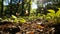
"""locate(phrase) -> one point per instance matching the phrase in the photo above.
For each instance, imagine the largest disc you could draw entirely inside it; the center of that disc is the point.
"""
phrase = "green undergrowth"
(51, 16)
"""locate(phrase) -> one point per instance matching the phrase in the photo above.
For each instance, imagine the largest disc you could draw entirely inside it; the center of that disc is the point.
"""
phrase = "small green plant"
(54, 16)
(22, 20)
(19, 20)
(13, 17)
(51, 14)
(58, 13)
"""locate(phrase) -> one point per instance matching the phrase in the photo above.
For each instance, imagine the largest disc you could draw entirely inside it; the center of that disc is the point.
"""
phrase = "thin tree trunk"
(17, 7)
(2, 8)
(22, 14)
(29, 7)
(10, 7)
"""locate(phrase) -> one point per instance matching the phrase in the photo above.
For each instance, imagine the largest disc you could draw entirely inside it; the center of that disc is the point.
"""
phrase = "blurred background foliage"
(30, 9)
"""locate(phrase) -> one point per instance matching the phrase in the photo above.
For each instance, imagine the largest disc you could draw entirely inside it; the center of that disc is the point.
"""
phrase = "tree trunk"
(1, 9)
(29, 7)
(10, 7)
(22, 13)
(17, 7)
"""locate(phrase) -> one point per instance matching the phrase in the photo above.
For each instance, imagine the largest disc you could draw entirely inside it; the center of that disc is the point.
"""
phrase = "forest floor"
(30, 27)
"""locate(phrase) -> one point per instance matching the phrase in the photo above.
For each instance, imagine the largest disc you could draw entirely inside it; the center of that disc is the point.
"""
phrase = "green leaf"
(52, 11)
(22, 20)
(13, 17)
(58, 12)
